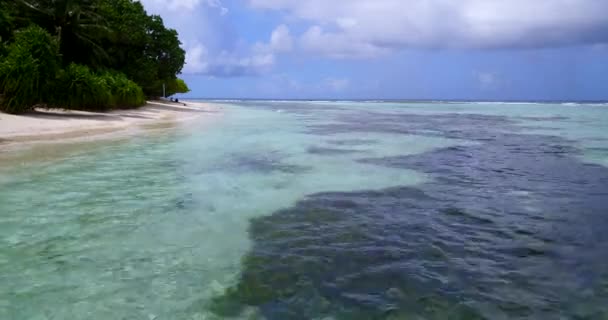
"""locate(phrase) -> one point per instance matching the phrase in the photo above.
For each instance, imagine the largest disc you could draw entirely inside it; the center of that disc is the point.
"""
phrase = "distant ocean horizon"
(403, 100)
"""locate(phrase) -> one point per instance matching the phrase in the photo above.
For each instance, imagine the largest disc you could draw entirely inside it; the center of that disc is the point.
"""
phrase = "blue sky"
(392, 49)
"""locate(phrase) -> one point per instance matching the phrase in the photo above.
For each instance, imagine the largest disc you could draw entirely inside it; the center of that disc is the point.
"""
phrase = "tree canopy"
(108, 37)
(141, 46)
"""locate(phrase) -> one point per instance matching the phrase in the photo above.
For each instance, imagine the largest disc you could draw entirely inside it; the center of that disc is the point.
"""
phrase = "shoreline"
(60, 126)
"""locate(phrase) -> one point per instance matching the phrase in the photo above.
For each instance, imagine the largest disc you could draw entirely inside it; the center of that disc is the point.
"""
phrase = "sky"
(392, 49)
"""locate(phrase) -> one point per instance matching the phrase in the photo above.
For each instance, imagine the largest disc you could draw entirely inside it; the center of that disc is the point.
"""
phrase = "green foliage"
(19, 81)
(76, 24)
(177, 86)
(42, 46)
(79, 88)
(28, 70)
(113, 53)
(141, 46)
(6, 22)
(165, 49)
(3, 50)
(125, 93)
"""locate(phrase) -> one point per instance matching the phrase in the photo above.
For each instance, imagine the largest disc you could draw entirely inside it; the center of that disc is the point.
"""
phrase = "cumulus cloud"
(280, 39)
(363, 28)
(196, 59)
(338, 45)
(258, 59)
(211, 47)
(225, 63)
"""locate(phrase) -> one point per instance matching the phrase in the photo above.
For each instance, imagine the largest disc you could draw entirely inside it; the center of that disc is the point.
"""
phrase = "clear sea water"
(316, 210)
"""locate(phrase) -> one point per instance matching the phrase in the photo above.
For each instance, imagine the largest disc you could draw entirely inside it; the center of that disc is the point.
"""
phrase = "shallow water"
(294, 210)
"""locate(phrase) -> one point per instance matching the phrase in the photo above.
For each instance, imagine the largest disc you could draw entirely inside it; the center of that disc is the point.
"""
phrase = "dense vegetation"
(84, 54)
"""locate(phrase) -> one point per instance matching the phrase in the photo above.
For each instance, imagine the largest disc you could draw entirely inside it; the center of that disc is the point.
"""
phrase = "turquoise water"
(163, 226)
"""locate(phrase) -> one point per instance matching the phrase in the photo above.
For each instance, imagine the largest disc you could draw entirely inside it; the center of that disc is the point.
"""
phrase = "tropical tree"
(165, 49)
(5, 22)
(141, 46)
(109, 54)
(177, 86)
(128, 38)
(77, 25)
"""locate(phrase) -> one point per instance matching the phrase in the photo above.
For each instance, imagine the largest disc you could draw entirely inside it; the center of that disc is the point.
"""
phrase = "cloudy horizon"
(392, 49)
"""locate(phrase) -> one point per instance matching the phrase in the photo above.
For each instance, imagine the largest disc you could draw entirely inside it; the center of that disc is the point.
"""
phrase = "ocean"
(317, 210)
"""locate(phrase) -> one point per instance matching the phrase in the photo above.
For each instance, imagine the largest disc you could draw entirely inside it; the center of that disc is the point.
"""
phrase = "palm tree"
(5, 21)
(76, 24)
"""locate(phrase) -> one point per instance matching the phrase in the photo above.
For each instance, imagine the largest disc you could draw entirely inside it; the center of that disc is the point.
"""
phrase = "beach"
(303, 160)
(58, 125)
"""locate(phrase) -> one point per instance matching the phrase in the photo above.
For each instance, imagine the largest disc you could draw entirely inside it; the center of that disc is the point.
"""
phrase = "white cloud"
(226, 64)
(217, 4)
(280, 39)
(338, 45)
(260, 58)
(210, 47)
(363, 28)
(196, 59)
(183, 5)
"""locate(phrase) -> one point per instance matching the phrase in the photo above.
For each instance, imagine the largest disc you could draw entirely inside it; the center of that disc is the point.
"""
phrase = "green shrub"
(19, 82)
(28, 70)
(30, 75)
(80, 89)
(177, 86)
(125, 93)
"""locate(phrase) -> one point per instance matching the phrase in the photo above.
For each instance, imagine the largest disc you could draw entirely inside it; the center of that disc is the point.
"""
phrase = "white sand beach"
(47, 125)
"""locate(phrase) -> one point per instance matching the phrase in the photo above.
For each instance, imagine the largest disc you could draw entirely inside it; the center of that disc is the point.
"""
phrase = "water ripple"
(511, 228)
